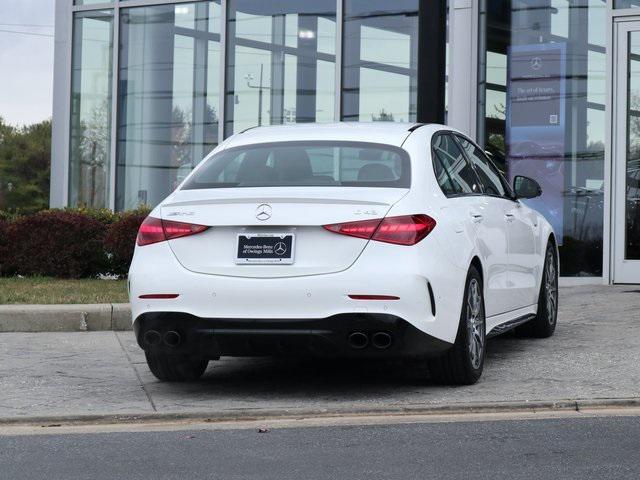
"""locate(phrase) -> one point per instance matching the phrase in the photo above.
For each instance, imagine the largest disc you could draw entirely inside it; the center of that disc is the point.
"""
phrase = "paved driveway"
(594, 354)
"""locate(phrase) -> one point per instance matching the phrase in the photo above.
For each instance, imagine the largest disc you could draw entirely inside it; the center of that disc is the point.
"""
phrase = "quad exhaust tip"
(172, 339)
(169, 339)
(358, 340)
(381, 340)
(152, 337)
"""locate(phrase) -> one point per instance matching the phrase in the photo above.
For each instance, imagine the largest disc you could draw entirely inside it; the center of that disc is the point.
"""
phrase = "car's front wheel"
(463, 363)
(174, 367)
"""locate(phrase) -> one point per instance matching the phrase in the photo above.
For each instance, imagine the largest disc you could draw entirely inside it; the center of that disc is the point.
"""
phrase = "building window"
(89, 164)
(280, 62)
(168, 97)
(91, 2)
(541, 113)
(626, 3)
(380, 58)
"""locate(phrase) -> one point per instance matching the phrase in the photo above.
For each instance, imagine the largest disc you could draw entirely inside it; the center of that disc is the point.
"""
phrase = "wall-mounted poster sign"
(535, 123)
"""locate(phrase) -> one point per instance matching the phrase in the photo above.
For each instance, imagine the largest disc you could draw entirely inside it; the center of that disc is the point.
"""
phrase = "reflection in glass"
(626, 3)
(280, 58)
(90, 2)
(632, 190)
(168, 97)
(541, 107)
(91, 109)
(380, 57)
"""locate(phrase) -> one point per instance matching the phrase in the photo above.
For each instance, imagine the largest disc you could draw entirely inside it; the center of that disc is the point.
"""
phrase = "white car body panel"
(297, 210)
(329, 267)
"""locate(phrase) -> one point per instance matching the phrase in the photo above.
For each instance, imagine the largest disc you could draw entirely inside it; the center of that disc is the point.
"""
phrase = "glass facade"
(168, 97)
(542, 79)
(188, 74)
(155, 86)
(380, 60)
(90, 126)
(626, 3)
(280, 62)
(632, 167)
(91, 2)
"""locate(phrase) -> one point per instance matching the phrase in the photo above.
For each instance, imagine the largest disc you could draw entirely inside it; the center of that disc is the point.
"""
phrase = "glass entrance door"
(626, 153)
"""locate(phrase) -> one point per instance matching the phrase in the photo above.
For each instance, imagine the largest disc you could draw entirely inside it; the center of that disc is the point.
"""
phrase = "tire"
(175, 368)
(544, 323)
(463, 363)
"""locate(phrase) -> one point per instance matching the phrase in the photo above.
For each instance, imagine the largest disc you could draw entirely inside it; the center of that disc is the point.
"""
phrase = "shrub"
(58, 244)
(6, 216)
(103, 215)
(120, 240)
(4, 266)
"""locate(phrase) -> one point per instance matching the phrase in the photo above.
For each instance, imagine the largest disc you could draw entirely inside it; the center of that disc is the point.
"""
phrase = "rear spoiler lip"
(416, 126)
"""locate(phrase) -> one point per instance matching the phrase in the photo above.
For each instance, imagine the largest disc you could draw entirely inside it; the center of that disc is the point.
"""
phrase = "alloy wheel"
(475, 323)
(551, 289)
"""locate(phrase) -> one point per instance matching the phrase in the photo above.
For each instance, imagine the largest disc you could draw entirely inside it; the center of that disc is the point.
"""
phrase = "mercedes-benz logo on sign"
(280, 248)
(263, 212)
(536, 63)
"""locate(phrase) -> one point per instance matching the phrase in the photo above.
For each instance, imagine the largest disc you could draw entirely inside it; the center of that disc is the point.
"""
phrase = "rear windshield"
(298, 164)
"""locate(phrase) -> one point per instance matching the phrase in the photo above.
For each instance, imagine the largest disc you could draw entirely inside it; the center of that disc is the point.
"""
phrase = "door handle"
(476, 217)
(510, 217)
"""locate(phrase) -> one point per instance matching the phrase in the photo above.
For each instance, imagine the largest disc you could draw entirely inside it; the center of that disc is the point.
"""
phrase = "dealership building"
(144, 89)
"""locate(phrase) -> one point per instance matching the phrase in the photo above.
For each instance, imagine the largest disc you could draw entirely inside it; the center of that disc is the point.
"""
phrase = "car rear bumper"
(342, 335)
(404, 275)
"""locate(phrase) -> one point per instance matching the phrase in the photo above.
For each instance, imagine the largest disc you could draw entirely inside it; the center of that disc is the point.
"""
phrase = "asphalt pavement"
(594, 355)
(569, 448)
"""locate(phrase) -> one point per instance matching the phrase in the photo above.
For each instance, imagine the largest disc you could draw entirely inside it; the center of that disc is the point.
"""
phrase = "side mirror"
(525, 187)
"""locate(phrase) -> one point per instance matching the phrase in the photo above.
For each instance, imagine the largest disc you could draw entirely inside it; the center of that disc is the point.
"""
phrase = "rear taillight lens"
(362, 229)
(406, 230)
(403, 230)
(154, 230)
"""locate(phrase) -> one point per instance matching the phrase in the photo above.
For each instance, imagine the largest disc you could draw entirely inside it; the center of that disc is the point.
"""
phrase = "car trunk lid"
(298, 211)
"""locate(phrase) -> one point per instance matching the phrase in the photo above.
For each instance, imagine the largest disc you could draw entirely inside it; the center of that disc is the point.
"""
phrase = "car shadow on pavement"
(296, 378)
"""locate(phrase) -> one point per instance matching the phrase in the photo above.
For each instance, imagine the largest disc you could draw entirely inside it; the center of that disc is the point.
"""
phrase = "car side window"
(453, 172)
(490, 177)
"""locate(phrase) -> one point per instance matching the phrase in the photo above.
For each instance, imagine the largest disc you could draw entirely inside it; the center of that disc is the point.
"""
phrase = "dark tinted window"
(492, 181)
(453, 172)
(349, 164)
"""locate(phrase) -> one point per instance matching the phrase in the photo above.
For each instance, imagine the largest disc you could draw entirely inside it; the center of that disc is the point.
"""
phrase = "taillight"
(154, 230)
(362, 229)
(406, 230)
(150, 232)
(403, 230)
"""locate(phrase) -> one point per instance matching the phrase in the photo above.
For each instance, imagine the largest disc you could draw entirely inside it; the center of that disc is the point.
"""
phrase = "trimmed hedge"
(57, 244)
(120, 241)
(4, 225)
(69, 243)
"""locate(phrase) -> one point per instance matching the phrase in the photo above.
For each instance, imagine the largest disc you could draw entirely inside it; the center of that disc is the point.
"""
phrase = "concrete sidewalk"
(593, 357)
(65, 318)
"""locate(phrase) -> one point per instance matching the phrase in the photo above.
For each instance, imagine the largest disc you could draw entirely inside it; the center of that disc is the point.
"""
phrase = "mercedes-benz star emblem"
(263, 212)
(280, 248)
(536, 63)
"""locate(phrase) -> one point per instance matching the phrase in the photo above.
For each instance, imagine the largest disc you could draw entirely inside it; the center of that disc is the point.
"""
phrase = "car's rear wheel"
(174, 367)
(544, 323)
(463, 363)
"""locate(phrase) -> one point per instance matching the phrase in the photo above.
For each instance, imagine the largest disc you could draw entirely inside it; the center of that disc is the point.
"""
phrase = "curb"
(65, 318)
(284, 414)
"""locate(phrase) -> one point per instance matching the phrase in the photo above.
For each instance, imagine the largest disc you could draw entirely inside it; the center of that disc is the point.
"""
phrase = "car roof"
(388, 133)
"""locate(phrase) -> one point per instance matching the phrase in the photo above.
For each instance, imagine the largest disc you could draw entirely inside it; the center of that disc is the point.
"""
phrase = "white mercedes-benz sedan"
(342, 240)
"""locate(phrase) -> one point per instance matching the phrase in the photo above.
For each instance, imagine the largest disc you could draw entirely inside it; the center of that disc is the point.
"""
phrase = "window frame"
(508, 191)
(452, 134)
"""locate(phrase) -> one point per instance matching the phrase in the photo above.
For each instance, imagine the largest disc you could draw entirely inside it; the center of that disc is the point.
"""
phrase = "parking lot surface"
(594, 355)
